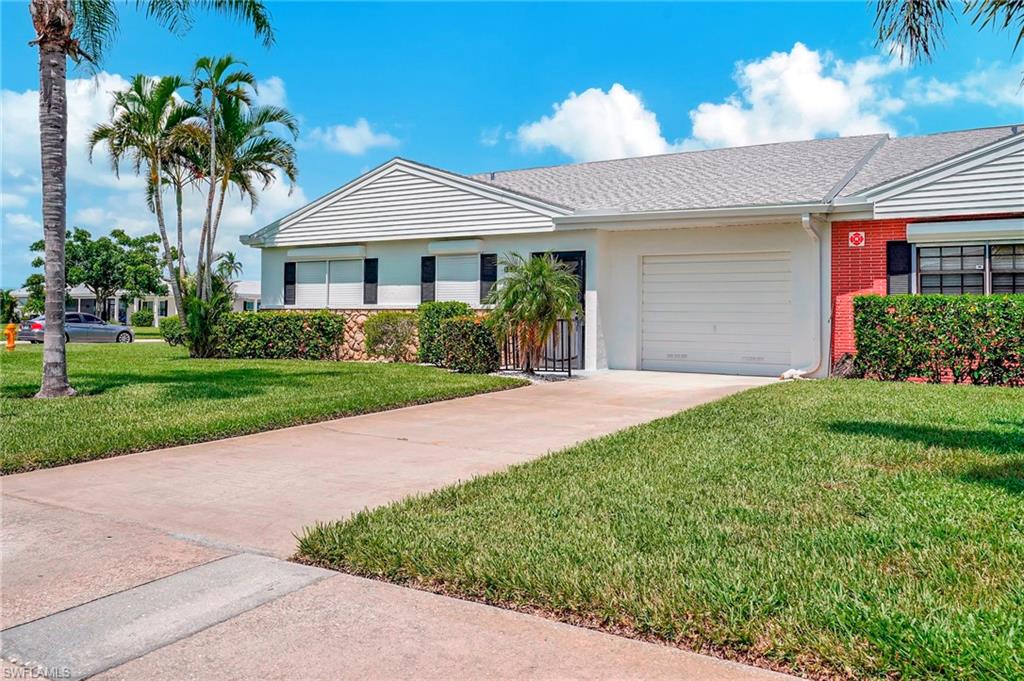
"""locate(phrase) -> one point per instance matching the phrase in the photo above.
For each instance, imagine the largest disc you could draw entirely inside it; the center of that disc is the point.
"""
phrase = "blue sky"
(475, 87)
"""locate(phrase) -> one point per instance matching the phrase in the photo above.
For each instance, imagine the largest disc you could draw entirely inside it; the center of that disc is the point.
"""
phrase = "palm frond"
(912, 28)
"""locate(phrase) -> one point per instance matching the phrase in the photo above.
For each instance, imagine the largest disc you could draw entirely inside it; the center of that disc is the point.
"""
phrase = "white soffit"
(966, 230)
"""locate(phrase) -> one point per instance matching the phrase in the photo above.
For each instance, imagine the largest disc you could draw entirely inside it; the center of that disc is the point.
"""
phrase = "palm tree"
(223, 80)
(82, 29)
(228, 266)
(250, 153)
(531, 297)
(147, 121)
(915, 27)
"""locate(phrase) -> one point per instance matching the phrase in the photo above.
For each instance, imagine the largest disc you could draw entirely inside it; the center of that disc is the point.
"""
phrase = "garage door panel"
(726, 312)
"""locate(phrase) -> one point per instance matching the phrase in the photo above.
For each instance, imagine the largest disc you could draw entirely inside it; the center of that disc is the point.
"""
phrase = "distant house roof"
(761, 175)
(243, 289)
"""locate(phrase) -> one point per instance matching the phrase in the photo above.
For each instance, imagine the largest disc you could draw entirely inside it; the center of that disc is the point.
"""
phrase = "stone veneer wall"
(354, 346)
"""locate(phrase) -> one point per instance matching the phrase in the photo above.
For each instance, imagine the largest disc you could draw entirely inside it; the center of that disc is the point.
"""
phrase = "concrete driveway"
(167, 564)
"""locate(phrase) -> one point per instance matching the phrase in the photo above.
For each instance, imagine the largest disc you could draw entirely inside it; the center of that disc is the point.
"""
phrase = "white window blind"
(311, 284)
(458, 278)
(345, 288)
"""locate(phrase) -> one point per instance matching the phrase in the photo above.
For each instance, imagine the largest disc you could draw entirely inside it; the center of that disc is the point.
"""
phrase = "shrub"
(964, 339)
(389, 334)
(282, 335)
(469, 345)
(430, 317)
(143, 317)
(172, 331)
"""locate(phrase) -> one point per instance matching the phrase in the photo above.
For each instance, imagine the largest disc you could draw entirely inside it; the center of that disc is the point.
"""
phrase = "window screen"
(289, 283)
(952, 269)
(488, 273)
(346, 283)
(370, 281)
(1007, 268)
(428, 277)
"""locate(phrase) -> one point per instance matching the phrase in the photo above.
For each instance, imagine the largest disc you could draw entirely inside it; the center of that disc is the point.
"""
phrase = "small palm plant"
(531, 297)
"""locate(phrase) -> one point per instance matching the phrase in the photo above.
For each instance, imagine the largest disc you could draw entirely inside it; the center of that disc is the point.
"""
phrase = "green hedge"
(430, 317)
(390, 334)
(965, 339)
(282, 335)
(143, 317)
(172, 331)
(469, 345)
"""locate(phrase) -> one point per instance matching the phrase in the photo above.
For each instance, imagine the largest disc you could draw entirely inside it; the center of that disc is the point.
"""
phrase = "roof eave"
(598, 219)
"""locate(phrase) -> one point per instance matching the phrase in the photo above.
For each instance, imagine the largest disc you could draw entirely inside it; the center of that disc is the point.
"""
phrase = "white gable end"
(404, 201)
(990, 183)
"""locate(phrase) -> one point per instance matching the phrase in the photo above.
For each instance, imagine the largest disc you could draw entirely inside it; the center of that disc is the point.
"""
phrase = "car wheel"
(124, 337)
(67, 338)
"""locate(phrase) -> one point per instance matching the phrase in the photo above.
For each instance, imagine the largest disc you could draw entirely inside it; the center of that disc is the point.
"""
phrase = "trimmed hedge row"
(172, 331)
(469, 345)
(964, 339)
(143, 317)
(282, 335)
(430, 317)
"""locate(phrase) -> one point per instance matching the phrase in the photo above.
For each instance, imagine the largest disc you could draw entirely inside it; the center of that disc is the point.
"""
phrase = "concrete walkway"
(136, 534)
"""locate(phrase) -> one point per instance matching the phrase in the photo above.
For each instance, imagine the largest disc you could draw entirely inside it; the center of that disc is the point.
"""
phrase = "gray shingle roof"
(766, 174)
(902, 156)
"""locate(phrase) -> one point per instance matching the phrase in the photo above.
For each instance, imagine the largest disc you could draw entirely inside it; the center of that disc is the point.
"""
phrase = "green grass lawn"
(137, 397)
(146, 332)
(832, 528)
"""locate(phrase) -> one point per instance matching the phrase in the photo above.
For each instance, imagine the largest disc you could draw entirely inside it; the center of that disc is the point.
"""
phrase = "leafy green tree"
(915, 27)
(111, 263)
(532, 295)
(36, 302)
(8, 308)
(82, 30)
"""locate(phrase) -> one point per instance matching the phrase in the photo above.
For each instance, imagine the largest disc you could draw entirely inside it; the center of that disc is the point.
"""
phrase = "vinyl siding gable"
(404, 202)
(990, 184)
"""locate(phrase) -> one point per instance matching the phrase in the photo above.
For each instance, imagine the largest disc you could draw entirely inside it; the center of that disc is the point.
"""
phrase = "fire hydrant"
(11, 332)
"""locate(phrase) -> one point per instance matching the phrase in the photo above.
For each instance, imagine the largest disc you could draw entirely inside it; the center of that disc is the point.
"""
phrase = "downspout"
(806, 221)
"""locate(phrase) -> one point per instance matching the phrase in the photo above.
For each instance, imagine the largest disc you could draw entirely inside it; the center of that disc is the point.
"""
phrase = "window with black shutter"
(289, 283)
(488, 273)
(428, 277)
(370, 281)
(897, 266)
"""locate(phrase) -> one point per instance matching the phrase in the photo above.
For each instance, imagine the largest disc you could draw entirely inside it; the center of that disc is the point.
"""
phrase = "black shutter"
(488, 273)
(370, 281)
(428, 275)
(289, 283)
(897, 266)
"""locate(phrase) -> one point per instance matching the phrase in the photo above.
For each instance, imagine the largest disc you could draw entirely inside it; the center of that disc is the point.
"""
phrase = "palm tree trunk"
(206, 273)
(216, 222)
(53, 130)
(158, 205)
(181, 235)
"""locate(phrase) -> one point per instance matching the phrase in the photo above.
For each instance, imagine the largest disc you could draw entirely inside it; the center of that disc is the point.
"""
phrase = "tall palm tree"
(222, 80)
(83, 29)
(250, 153)
(146, 123)
(915, 27)
(531, 297)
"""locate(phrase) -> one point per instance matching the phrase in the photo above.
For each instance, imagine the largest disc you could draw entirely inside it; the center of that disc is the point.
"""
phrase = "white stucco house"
(739, 260)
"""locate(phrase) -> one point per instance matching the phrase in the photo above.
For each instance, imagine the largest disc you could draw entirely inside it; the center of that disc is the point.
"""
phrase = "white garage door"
(717, 313)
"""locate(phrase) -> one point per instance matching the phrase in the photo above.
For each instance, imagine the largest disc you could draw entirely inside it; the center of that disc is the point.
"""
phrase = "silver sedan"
(79, 327)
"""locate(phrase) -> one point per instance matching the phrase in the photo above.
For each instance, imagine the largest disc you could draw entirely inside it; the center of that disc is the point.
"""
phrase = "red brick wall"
(860, 271)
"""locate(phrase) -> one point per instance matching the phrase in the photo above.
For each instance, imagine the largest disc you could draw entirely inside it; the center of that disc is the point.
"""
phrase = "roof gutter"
(807, 222)
(583, 219)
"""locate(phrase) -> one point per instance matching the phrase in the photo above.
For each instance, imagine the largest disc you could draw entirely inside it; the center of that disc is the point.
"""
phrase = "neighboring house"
(740, 260)
(81, 299)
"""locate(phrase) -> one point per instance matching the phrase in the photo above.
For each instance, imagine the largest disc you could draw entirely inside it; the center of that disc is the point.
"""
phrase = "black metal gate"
(562, 352)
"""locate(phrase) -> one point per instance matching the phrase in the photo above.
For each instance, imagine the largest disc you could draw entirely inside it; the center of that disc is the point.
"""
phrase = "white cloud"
(800, 94)
(490, 137)
(597, 125)
(22, 225)
(12, 200)
(996, 85)
(354, 140)
(89, 101)
(270, 92)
